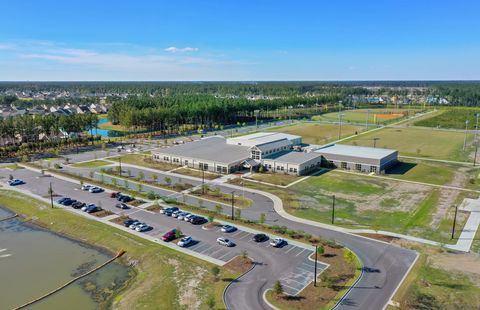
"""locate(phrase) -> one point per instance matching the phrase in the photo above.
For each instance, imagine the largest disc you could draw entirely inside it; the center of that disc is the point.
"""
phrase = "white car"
(142, 227)
(188, 217)
(182, 216)
(228, 228)
(277, 242)
(185, 241)
(224, 241)
(86, 187)
(176, 213)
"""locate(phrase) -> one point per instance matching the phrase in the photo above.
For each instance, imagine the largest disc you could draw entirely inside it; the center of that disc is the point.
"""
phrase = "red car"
(169, 236)
(114, 195)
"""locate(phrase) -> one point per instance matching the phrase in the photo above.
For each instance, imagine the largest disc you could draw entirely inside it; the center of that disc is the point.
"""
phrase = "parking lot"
(290, 263)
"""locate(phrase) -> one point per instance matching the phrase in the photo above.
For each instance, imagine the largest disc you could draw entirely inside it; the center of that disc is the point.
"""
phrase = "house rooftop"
(209, 149)
(357, 151)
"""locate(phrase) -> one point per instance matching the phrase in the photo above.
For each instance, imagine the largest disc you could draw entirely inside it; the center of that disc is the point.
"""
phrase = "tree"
(211, 302)
(349, 256)
(139, 187)
(178, 233)
(211, 218)
(215, 272)
(238, 213)
(141, 175)
(218, 208)
(114, 181)
(320, 249)
(10, 177)
(168, 181)
(261, 220)
(278, 288)
(155, 177)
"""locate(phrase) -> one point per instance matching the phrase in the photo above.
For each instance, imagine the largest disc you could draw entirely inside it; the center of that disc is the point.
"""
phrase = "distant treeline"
(170, 113)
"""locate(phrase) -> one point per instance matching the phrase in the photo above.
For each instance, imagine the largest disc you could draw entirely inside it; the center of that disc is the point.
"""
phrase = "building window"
(278, 167)
(373, 169)
(295, 170)
(165, 158)
(186, 163)
(358, 167)
(343, 165)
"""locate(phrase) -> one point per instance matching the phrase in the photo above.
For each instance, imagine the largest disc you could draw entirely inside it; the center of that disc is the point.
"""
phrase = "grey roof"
(293, 157)
(357, 151)
(210, 149)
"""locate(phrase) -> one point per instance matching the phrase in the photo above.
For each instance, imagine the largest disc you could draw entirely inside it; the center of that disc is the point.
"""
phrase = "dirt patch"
(239, 264)
(211, 225)
(467, 263)
(447, 198)
(119, 220)
(102, 213)
(384, 238)
(154, 208)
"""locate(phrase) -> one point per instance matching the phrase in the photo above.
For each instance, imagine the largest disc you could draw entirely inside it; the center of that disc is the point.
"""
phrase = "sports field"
(419, 142)
(375, 116)
(319, 133)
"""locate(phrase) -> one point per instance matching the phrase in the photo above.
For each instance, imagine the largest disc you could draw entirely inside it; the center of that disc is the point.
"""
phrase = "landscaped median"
(164, 278)
(332, 285)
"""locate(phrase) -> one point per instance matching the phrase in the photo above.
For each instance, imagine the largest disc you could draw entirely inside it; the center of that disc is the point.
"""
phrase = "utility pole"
(333, 209)
(465, 139)
(340, 116)
(315, 277)
(50, 191)
(120, 165)
(366, 121)
(203, 180)
(454, 221)
(476, 127)
(375, 142)
(233, 204)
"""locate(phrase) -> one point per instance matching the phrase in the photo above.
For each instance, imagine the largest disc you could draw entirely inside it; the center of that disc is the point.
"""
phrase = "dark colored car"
(122, 206)
(129, 222)
(260, 237)
(69, 202)
(124, 198)
(196, 220)
(93, 209)
(114, 195)
(169, 235)
(78, 205)
(169, 211)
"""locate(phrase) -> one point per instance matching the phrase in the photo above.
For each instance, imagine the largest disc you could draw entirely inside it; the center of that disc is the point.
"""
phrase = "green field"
(360, 116)
(424, 171)
(368, 202)
(319, 133)
(418, 142)
(166, 279)
(92, 164)
(451, 118)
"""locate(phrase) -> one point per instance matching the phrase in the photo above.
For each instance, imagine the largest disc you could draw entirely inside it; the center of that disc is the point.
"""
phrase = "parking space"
(290, 263)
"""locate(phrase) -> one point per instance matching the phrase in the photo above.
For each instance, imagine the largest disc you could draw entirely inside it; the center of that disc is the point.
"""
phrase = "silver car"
(225, 242)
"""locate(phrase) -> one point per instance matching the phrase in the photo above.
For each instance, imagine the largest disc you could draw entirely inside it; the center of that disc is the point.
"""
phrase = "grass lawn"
(451, 118)
(274, 178)
(196, 173)
(92, 164)
(419, 142)
(12, 167)
(318, 133)
(367, 202)
(360, 116)
(430, 287)
(165, 279)
(240, 202)
(145, 161)
(423, 171)
(109, 126)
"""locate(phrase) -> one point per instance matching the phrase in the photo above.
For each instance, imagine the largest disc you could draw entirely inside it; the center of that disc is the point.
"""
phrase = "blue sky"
(240, 40)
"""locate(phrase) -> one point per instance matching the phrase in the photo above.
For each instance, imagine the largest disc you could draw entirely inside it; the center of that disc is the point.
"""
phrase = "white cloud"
(173, 49)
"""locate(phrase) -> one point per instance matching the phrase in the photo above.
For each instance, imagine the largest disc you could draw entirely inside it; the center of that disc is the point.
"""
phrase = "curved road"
(385, 265)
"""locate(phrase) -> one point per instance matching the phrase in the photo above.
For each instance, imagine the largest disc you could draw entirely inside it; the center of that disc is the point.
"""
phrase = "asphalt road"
(384, 265)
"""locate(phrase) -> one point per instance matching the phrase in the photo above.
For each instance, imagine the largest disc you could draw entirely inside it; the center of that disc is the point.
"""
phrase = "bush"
(277, 288)
(215, 272)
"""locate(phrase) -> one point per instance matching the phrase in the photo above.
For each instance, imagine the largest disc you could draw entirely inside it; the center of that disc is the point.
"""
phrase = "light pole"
(203, 180)
(366, 121)
(256, 118)
(476, 127)
(375, 142)
(120, 166)
(50, 191)
(465, 139)
(340, 116)
(333, 209)
(233, 204)
(454, 221)
(315, 277)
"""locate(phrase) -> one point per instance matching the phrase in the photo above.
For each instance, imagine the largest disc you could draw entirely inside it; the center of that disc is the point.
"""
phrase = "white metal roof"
(260, 138)
(357, 151)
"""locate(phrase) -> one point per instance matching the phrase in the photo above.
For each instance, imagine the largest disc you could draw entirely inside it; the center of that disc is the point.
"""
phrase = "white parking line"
(220, 258)
(293, 247)
(301, 252)
(203, 251)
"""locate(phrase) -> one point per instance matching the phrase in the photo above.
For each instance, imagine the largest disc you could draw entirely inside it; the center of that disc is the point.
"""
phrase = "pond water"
(105, 132)
(34, 261)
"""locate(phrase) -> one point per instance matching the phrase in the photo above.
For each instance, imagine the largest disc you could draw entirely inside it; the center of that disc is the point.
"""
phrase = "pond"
(105, 132)
(34, 261)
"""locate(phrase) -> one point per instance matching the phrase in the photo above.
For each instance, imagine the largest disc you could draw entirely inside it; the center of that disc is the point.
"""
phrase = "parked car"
(169, 235)
(95, 190)
(176, 213)
(15, 182)
(134, 224)
(196, 220)
(228, 228)
(169, 211)
(277, 242)
(93, 209)
(61, 200)
(86, 187)
(122, 206)
(114, 194)
(189, 217)
(87, 206)
(129, 222)
(142, 227)
(185, 241)
(224, 241)
(68, 202)
(124, 198)
(260, 237)
(78, 205)
(182, 216)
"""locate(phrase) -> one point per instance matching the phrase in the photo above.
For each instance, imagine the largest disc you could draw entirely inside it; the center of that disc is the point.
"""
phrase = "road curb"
(234, 280)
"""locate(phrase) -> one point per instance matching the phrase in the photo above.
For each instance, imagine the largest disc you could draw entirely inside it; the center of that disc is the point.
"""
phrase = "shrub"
(277, 288)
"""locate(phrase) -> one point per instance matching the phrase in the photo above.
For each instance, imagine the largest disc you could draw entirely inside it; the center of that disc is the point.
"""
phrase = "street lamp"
(50, 191)
(333, 209)
(465, 139)
(454, 221)
(120, 166)
(203, 179)
(340, 116)
(375, 142)
(233, 204)
(315, 276)
(366, 121)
